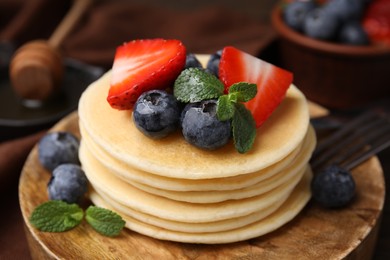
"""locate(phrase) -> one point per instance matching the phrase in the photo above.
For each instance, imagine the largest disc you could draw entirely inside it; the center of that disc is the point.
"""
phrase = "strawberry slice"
(272, 82)
(143, 65)
(376, 21)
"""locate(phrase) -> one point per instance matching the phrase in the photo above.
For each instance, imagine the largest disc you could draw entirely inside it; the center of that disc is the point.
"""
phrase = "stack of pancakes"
(171, 190)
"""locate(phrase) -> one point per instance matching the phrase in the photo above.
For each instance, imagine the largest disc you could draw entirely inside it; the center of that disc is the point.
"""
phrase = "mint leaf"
(56, 216)
(195, 84)
(243, 124)
(225, 108)
(244, 128)
(238, 92)
(242, 92)
(104, 221)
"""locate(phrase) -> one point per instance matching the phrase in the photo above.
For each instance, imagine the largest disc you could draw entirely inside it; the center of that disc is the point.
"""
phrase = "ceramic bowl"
(334, 75)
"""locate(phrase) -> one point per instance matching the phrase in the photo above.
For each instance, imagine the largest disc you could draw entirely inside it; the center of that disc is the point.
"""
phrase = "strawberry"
(143, 65)
(272, 82)
(376, 21)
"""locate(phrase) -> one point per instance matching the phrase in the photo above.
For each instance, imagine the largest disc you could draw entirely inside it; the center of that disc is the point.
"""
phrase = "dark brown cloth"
(13, 153)
(202, 31)
(108, 24)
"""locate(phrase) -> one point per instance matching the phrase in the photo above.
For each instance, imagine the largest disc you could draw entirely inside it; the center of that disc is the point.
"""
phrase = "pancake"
(285, 213)
(169, 189)
(115, 132)
(212, 196)
(139, 200)
(131, 174)
(219, 196)
(215, 226)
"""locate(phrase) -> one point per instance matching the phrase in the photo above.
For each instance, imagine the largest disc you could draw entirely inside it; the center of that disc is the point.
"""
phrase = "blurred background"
(204, 26)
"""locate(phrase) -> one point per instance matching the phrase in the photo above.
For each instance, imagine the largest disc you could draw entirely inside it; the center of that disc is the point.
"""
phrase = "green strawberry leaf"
(195, 84)
(242, 91)
(225, 108)
(244, 128)
(104, 221)
(56, 216)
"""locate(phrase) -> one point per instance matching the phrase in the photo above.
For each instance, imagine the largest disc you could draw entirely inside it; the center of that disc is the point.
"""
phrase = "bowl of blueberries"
(338, 50)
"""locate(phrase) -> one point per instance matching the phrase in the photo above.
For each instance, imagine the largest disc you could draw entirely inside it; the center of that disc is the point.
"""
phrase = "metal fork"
(355, 142)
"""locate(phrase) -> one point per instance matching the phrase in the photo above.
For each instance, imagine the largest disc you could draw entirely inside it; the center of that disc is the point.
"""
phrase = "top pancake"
(172, 156)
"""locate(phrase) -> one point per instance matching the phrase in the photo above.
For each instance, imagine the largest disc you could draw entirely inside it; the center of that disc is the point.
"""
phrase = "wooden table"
(315, 233)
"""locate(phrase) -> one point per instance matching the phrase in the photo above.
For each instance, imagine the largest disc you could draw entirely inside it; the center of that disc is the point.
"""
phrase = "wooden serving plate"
(316, 233)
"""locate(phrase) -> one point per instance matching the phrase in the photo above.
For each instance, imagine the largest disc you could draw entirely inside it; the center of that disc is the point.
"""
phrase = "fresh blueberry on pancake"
(156, 113)
(192, 61)
(213, 63)
(202, 128)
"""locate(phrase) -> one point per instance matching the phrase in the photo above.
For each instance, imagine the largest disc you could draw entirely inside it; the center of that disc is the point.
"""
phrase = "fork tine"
(344, 130)
(346, 140)
(346, 145)
(367, 154)
(369, 138)
(341, 140)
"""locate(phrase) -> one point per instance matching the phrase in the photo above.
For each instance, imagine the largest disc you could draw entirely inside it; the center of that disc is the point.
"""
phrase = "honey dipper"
(36, 69)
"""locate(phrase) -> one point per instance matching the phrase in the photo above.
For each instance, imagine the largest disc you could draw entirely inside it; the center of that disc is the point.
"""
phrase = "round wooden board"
(316, 233)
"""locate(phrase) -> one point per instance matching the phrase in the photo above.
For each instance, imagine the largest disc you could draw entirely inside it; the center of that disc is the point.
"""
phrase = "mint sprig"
(230, 107)
(59, 216)
(195, 84)
(56, 216)
(244, 128)
(238, 92)
(225, 108)
(242, 92)
(104, 221)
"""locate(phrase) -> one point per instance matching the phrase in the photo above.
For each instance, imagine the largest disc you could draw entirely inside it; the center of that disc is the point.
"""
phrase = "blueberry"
(192, 62)
(68, 183)
(333, 187)
(294, 14)
(345, 10)
(56, 148)
(156, 113)
(186, 108)
(353, 33)
(201, 127)
(213, 63)
(321, 24)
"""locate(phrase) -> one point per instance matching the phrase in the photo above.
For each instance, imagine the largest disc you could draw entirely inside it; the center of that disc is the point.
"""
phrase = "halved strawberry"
(143, 65)
(376, 21)
(272, 81)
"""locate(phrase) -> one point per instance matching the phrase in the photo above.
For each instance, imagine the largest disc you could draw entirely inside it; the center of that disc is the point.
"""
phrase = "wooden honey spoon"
(36, 69)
